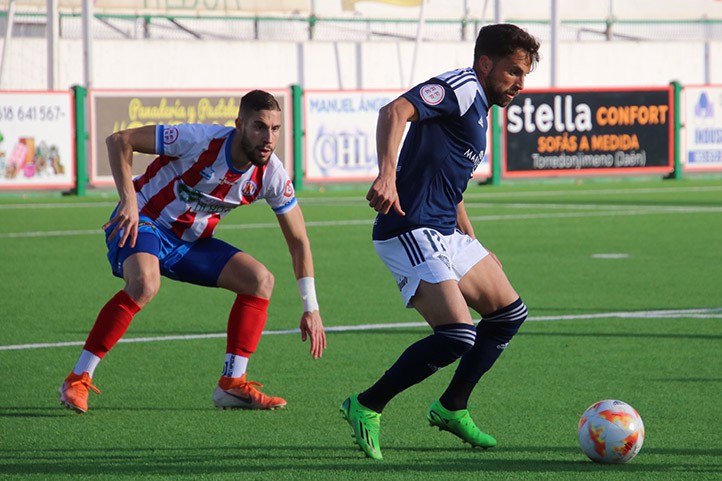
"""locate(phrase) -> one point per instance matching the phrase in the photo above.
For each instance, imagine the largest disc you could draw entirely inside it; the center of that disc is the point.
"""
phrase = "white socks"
(86, 363)
(235, 365)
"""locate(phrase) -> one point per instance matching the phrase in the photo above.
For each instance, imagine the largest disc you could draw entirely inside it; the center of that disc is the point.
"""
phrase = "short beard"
(499, 98)
(252, 154)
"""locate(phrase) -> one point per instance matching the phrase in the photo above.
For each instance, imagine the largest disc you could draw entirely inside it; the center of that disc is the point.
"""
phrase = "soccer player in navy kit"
(425, 238)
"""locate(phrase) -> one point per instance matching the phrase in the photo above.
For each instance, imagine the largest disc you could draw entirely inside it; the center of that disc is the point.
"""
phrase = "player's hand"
(126, 223)
(312, 328)
(382, 196)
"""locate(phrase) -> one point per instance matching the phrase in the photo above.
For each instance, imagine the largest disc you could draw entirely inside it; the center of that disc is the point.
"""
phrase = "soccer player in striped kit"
(423, 234)
(164, 224)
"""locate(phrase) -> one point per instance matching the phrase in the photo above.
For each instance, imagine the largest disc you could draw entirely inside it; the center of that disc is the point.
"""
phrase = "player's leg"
(142, 281)
(488, 291)
(212, 262)
(139, 267)
(417, 262)
(444, 308)
(253, 285)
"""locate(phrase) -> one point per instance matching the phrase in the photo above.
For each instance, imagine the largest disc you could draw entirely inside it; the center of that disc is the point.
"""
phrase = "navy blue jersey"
(441, 151)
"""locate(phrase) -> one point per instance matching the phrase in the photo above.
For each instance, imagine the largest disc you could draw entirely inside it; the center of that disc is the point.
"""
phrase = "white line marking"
(59, 205)
(610, 255)
(545, 205)
(603, 212)
(711, 313)
(571, 193)
(361, 201)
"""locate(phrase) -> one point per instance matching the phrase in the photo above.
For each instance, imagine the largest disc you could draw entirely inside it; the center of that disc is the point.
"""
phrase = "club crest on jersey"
(170, 134)
(288, 189)
(432, 94)
(249, 188)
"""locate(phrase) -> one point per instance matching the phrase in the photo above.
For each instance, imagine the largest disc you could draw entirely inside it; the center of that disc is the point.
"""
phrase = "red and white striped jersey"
(192, 184)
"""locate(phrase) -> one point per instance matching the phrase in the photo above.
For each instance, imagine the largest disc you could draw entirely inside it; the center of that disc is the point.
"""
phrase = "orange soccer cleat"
(237, 393)
(74, 392)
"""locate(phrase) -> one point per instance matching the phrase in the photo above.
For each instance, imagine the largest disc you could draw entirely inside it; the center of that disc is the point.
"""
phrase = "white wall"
(349, 65)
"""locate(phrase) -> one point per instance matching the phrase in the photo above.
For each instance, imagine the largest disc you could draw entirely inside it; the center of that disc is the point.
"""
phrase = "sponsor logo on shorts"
(402, 283)
(432, 94)
(501, 347)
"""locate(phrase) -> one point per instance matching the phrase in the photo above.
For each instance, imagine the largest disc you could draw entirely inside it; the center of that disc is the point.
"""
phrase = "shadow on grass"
(331, 461)
(60, 411)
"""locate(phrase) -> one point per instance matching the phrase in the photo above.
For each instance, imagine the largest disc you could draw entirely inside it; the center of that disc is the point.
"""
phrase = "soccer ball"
(611, 431)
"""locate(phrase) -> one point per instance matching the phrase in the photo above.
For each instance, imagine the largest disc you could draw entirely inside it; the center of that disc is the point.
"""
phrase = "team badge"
(170, 135)
(432, 94)
(288, 190)
(249, 188)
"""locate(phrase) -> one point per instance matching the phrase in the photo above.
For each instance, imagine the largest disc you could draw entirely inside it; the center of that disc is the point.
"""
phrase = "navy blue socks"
(493, 334)
(419, 361)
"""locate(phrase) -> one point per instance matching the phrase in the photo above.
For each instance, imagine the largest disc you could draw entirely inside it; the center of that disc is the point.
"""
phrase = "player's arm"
(294, 231)
(463, 222)
(382, 195)
(121, 146)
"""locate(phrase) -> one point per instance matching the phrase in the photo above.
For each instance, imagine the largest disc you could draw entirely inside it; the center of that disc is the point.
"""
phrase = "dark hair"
(256, 100)
(503, 39)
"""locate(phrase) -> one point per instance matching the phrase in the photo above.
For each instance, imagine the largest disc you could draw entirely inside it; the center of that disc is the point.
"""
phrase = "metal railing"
(301, 28)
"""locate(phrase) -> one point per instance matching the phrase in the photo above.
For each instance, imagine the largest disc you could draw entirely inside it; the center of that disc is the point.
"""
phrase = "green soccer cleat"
(365, 425)
(460, 424)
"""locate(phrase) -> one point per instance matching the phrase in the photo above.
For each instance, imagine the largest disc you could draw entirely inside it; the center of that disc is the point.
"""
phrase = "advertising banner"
(589, 132)
(36, 140)
(114, 110)
(340, 135)
(703, 126)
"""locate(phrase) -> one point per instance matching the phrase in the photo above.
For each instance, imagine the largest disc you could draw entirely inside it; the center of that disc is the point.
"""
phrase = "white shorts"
(424, 254)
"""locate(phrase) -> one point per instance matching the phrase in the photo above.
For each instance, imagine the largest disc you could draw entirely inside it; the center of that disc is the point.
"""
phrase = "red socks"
(112, 322)
(245, 324)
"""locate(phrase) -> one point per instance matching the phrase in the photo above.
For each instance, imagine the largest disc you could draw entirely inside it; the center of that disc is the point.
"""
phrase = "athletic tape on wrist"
(307, 289)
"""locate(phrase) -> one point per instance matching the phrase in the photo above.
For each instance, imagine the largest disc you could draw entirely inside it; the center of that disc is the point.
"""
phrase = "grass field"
(623, 281)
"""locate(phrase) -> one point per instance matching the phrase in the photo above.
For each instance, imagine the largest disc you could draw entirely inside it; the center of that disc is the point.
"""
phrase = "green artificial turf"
(643, 325)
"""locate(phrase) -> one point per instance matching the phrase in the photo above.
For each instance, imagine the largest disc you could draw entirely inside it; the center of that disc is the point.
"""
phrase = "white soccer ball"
(611, 431)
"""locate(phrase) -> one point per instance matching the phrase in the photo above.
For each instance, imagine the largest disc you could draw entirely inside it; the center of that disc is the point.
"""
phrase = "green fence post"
(676, 132)
(496, 145)
(80, 95)
(297, 97)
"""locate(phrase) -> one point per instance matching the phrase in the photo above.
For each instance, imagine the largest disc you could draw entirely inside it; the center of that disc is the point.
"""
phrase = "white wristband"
(307, 289)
